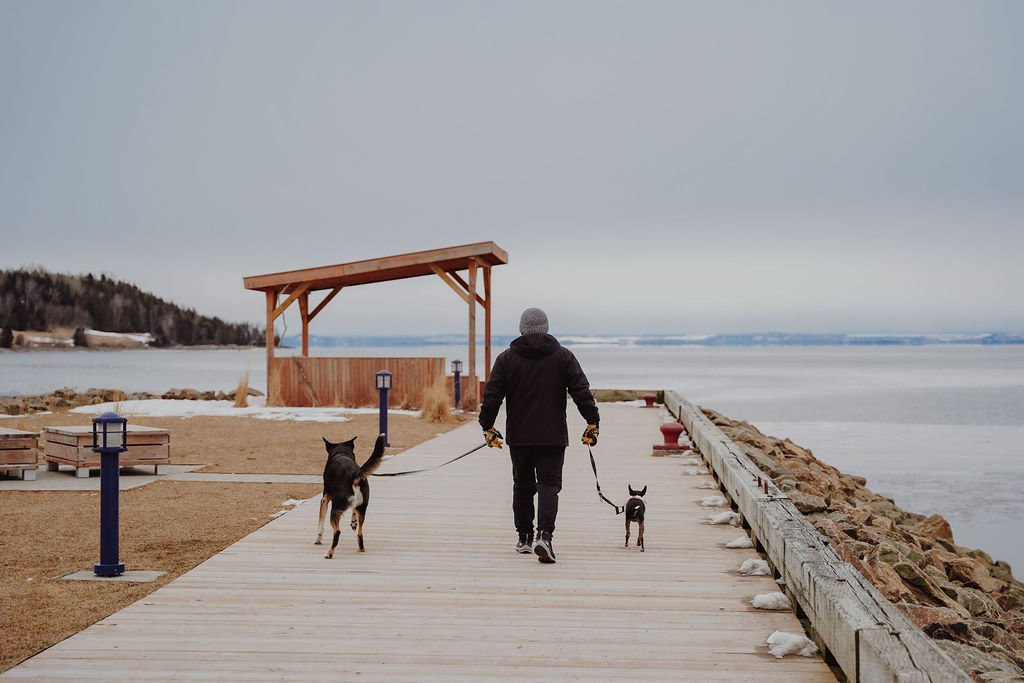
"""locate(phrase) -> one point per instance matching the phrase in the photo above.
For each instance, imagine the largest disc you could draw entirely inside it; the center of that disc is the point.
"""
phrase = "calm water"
(939, 429)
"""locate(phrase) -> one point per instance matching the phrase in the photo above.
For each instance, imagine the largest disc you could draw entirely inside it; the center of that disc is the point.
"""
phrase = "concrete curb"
(868, 637)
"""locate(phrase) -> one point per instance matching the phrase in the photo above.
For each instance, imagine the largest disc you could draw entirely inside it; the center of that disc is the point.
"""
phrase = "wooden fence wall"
(351, 382)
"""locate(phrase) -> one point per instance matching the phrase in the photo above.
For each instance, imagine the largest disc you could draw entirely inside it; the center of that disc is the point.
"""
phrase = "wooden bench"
(73, 446)
(19, 452)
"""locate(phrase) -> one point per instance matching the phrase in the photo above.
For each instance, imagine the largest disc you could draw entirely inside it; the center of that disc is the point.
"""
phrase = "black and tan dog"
(346, 486)
(635, 509)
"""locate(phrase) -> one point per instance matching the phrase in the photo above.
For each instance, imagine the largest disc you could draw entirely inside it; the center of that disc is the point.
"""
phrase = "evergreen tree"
(36, 299)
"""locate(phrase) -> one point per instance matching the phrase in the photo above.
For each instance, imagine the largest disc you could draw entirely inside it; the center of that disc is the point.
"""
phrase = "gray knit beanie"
(533, 321)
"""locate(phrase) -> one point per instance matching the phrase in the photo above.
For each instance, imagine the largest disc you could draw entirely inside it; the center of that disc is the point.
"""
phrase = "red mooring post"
(649, 398)
(670, 432)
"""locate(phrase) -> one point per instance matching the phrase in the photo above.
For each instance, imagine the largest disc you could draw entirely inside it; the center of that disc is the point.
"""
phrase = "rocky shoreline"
(63, 399)
(971, 605)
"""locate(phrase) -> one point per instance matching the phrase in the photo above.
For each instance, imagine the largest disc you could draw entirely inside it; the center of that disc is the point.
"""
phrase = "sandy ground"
(167, 526)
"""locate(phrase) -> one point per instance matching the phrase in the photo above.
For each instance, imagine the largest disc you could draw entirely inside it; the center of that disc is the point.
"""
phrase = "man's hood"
(535, 345)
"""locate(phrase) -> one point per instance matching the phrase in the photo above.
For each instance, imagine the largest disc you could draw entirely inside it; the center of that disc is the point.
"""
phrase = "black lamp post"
(109, 439)
(457, 372)
(383, 385)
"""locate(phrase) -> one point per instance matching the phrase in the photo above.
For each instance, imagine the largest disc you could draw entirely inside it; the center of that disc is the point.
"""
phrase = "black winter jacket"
(533, 375)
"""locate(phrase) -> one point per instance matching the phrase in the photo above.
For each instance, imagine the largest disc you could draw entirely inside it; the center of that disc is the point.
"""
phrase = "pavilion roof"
(384, 269)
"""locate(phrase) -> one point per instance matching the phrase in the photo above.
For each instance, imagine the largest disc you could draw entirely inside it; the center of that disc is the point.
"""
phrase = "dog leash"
(427, 469)
(593, 463)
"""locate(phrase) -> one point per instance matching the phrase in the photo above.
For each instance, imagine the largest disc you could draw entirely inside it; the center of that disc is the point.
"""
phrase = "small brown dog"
(635, 509)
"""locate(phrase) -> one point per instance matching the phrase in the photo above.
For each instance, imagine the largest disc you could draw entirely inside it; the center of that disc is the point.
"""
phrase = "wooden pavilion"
(305, 381)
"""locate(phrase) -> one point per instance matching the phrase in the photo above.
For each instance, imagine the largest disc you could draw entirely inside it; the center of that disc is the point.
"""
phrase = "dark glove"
(493, 438)
(590, 435)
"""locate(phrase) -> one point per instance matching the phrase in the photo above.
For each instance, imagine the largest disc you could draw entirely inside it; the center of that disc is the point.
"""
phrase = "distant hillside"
(758, 339)
(39, 300)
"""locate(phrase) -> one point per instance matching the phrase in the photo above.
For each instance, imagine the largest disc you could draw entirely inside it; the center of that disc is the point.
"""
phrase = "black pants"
(536, 470)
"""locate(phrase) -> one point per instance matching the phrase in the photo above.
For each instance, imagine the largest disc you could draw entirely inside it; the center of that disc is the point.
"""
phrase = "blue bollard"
(109, 439)
(383, 385)
(457, 372)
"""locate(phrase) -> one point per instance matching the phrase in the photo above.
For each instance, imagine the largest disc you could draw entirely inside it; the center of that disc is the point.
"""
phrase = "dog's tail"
(375, 459)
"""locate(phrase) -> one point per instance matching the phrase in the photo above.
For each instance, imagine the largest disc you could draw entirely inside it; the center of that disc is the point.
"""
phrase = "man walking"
(533, 375)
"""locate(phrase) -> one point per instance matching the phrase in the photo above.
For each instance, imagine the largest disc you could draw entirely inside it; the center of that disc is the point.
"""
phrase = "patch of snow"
(291, 502)
(712, 502)
(53, 341)
(691, 462)
(707, 485)
(725, 518)
(741, 542)
(693, 472)
(140, 337)
(257, 409)
(771, 601)
(781, 644)
(755, 568)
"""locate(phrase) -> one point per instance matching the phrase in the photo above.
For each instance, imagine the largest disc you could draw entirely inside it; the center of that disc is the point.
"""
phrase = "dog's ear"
(328, 445)
(641, 494)
(351, 443)
(631, 491)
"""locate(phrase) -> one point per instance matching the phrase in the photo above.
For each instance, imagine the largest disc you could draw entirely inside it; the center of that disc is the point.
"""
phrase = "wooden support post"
(296, 293)
(327, 300)
(271, 305)
(455, 276)
(304, 314)
(448, 281)
(474, 389)
(487, 322)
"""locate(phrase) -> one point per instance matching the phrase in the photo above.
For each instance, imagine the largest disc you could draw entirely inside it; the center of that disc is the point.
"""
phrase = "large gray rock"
(981, 665)
(807, 503)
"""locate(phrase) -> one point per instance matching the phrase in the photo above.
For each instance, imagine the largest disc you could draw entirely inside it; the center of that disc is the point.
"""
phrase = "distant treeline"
(39, 300)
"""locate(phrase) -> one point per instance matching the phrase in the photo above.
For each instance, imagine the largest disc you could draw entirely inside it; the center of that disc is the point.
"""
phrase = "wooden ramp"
(440, 595)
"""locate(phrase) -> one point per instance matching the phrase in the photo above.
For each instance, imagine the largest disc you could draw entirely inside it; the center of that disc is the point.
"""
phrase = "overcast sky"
(651, 167)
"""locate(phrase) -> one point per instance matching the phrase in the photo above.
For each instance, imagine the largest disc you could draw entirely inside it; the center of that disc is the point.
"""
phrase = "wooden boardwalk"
(440, 595)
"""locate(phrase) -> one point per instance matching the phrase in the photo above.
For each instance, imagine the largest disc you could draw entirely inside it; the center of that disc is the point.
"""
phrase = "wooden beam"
(271, 304)
(457, 278)
(487, 322)
(448, 281)
(304, 315)
(327, 300)
(474, 389)
(296, 293)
